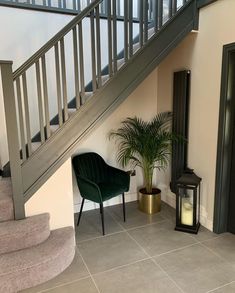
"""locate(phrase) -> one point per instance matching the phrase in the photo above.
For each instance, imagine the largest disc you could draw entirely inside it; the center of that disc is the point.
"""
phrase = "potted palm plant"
(148, 146)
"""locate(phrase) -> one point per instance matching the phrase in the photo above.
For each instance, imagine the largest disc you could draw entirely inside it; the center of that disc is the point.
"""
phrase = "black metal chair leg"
(102, 217)
(124, 207)
(80, 213)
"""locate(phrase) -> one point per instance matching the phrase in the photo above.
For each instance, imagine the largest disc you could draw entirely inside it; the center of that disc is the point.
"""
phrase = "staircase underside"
(59, 148)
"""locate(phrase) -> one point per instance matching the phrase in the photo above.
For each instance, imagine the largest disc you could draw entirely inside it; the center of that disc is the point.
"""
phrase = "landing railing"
(76, 6)
(58, 6)
(43, 87)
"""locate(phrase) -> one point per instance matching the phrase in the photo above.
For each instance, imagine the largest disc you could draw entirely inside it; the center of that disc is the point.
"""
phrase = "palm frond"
(145, 144)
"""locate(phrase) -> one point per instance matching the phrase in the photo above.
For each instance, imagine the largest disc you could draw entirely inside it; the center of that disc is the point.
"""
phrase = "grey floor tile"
(204, 234)
(226, 289)
(223, 246)
(141, 277)
(75, 271)
(134, 217)
(90, 225)
(160, 238)
(168, 212)
(81, 286)
(110, 251)
(195, 269)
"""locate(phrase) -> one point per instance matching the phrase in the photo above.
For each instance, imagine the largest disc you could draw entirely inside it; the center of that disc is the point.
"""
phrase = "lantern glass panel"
(198, 204)
(186, 206)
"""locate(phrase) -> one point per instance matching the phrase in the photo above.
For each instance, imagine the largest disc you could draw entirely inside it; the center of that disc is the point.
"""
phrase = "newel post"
(13, 138)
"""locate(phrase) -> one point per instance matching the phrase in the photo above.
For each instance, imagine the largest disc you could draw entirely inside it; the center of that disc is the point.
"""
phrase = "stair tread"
(71, 111)
(16, 235)
(88, 94)
(104, 78)
(5, 189)
(151, 32)
(6, 202)
(32, 266)
(35, 146)
(87, 97)
(120, 63)
(54, 127)
(136, 47)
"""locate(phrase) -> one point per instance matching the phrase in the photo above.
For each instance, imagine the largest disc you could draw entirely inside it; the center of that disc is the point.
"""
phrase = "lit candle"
(186, 212)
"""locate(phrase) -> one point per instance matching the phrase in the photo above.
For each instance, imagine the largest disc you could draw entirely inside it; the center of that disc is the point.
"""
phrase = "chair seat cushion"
(110, 189)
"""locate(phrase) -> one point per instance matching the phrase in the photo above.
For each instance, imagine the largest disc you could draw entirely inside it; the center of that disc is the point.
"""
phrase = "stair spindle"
(76, 73)
(118, 7)
(170, 8)
(45, 95)
(98, 47)
(78, 5)
(40, 102)
(141, 21)
(58, 84)
(130, 10)
(174, 7)
(160, 13)
(145, 21)
(21, 119)
(114, 5)
(64, 80)
(27, 117)
(126, 30)
(93, 49)
(81, 61)
(110, 53)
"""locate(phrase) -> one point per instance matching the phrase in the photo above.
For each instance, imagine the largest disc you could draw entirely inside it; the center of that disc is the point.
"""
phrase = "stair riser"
(6, 202)
(24, 240)
(36, 274)
(6, 212)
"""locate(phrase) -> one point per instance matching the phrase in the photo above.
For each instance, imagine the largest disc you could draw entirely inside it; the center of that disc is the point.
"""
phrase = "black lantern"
(188, 202)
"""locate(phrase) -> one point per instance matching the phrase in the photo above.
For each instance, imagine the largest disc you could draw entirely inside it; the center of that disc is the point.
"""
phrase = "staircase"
(57, 75)
(30, 253)
(32, 163)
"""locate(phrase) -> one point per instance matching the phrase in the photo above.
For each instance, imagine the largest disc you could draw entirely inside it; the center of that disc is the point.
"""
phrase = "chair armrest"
(119, 176)
(88, 189)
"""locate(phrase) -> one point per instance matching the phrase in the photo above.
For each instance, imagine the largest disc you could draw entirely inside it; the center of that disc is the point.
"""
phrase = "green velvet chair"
(99, 182)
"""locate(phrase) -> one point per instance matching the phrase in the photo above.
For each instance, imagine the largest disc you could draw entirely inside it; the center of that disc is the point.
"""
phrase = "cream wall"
(202, 53)
(55, 197)
(142, 103)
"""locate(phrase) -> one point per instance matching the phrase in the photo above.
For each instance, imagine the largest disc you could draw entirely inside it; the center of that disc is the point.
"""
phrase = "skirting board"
(89, 205)
(167, 196)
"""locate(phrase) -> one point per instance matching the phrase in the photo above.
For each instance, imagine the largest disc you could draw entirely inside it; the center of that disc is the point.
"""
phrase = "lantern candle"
(186, 212)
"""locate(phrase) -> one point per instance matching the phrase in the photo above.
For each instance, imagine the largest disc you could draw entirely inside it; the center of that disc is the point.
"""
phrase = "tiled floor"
(146, 255)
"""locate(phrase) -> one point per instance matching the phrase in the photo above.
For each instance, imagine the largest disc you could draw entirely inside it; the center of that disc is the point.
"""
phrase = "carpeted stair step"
(6, 202)
(32, 266)
(16, 235)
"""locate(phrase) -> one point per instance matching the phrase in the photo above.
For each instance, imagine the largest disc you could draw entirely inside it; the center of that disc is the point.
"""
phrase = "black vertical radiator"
(180, 124)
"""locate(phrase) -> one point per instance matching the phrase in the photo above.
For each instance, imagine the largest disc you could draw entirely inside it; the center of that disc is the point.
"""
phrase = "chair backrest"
(91, 166)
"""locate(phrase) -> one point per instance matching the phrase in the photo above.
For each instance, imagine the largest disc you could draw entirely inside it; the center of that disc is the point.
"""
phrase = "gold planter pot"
(150, 203)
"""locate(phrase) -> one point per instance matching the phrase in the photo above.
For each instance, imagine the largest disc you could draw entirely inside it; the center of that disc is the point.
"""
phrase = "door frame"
(224, 147)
